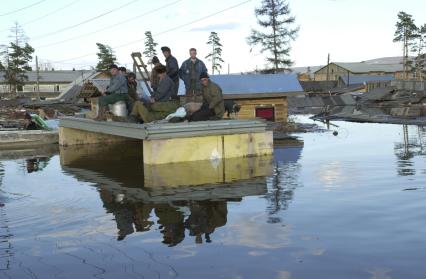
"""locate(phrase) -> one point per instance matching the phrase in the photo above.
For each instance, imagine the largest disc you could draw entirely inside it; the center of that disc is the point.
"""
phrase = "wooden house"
(260, 95)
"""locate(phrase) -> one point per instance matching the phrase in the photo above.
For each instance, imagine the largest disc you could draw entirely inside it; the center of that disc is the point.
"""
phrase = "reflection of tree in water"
(203, 219)
(281, 190)
(5, 235)
(413, 144)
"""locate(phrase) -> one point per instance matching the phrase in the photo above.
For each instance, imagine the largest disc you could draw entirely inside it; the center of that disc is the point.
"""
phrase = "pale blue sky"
(351, 30)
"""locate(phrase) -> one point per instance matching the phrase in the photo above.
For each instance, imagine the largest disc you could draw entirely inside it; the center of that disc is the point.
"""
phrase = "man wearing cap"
(190, 72)
(161, 102)
(213, 105)
(172, 69)
(154, 79)
(117, 91)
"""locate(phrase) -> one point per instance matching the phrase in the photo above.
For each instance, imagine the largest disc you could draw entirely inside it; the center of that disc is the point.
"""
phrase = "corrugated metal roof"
(360, 79)
(259, 83)
(365, 67)
(237, 84)
(51, 76)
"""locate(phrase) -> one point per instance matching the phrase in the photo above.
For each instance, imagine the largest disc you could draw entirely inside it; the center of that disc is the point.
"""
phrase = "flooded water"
(345, 206)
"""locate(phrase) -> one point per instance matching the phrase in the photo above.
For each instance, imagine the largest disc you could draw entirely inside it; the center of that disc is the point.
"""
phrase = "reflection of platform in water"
(28, 152)
(118, 169)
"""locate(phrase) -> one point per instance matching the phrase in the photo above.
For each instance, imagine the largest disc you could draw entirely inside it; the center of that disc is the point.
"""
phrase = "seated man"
(117, 91)
(160, 104)
(132, 85)
(29, 123)
(213, 106)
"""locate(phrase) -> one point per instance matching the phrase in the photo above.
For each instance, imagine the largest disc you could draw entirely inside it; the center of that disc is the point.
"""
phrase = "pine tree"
(419, 48)
(274, 17)
(215, 56)
(16, 58)
(406, 32)
(150, 46)
(106, 57)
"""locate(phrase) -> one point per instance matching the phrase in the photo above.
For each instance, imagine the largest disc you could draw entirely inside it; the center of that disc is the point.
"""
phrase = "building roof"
(258, 83)
(362, 67)
(361, 79)
(239, 86)
(51, 76)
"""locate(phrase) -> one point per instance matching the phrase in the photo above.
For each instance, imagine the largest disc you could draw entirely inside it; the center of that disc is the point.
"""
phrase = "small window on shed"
(19, 88)
(267, 113)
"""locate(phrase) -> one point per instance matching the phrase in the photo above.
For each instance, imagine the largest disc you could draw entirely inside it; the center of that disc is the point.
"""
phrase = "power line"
(109, 26)
(163, 32)
(50, 13)
(45, 15)
(84, 22)
(21, 9)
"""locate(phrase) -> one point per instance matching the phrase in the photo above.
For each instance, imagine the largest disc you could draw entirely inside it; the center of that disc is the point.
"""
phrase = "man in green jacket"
(213, 105)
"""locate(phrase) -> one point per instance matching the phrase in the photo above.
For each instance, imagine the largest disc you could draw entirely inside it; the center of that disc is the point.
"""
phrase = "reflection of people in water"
(130, 217)
(205, 217)
(171, 224)
(36, 164)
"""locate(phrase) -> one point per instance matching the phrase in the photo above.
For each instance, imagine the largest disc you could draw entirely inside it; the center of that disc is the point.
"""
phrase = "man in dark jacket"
(213, 105)
(172, 69)
(161, 102)
(190, 72)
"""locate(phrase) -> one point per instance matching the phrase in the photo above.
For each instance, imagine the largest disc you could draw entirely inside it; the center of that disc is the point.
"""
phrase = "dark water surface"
(345, 206)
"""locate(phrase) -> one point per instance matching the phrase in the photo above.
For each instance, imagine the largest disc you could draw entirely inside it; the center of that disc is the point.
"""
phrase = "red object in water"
(265, 113)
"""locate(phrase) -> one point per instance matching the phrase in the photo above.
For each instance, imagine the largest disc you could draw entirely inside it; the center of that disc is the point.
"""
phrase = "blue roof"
(250, 83)
(360, 79)
(257, 83)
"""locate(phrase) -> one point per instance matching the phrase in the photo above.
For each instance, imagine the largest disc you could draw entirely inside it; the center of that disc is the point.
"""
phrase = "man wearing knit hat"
(213, 106)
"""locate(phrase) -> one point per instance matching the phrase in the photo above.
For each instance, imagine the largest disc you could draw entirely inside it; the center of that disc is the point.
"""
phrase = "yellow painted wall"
(248, 108)
(207, 148)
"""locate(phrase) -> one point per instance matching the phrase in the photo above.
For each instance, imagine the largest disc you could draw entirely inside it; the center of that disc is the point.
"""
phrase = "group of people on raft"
(164, 82)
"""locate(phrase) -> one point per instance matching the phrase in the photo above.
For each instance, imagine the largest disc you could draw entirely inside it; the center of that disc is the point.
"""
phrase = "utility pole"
(38, 80)
(229, 67)
(328, 67)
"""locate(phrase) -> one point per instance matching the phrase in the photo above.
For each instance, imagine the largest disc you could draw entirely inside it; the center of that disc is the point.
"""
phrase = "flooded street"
(325, 206)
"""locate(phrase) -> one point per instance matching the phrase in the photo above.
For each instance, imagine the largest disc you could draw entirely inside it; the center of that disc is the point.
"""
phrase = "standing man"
(190, 72)
(154, 79)
(172, 69)
(213, 106)
(117, 91)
